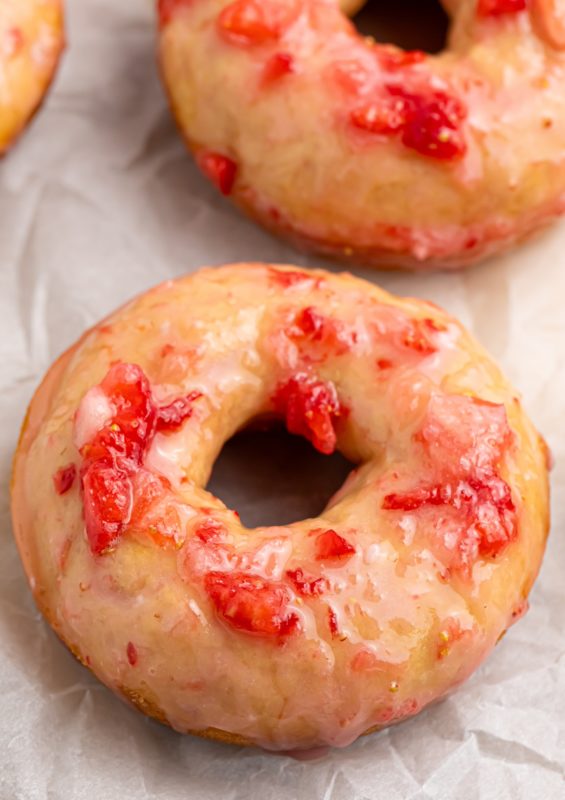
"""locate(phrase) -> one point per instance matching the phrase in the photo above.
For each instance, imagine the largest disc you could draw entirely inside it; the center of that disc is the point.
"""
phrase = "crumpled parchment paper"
(100, 201)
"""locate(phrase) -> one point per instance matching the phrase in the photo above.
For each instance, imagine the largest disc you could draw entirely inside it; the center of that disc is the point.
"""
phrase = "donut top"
(302, 634)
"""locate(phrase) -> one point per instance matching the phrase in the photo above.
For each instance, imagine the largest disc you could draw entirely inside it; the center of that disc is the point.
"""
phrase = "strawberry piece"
(250, 603)
(289, 277)
(220, 169)
(496, 8)
(210, 531)
(332, 622)
(418, 333)
(433, 122)
(64, 478)
(324, 335)
(311, 408)
(249, 23)
(108, 497)
(330, 546)
(172, 416)
(168, 9)
(131, 652)
(385, 116)
(306, 585)
(464, 439)
(394, 58)
(428, 123)
(278, 65)
(13, 42)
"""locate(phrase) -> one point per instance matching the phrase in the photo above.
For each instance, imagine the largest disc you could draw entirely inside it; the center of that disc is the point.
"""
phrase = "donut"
(366, 152)
(31, 42)
(296, 636)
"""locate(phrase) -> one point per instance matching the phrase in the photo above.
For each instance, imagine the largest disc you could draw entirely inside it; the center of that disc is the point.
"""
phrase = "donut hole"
(410, 24)
(272, 478)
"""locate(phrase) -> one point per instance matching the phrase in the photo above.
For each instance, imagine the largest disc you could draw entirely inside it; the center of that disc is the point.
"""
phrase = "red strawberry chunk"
(64, 478)
(496, 8)
(117, 491)
(306, 585)
(250, 603)
(463, 439)
(394, 58)
(332, 622)
(168, 9)
(131, 652)
(220, 169)
(108, 497)
(311, 409)
(429, 123)
(330, 546)
(384, 116)
(249, 23)
(172, 416)
(278, 65)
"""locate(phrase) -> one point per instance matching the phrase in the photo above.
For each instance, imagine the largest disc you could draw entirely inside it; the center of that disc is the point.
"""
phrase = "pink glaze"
(290, 637)
(364, 152)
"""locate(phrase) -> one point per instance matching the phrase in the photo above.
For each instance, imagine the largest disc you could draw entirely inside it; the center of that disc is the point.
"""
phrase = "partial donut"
(289, 636)
(365, 152)
(31, 42)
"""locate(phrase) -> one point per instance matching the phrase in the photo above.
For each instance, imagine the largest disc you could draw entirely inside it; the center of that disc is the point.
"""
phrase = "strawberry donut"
(292, 636)
(31, 41)
(369, 153)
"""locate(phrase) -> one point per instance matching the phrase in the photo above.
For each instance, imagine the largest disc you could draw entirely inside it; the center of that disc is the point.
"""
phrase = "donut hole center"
(410, 24)
(272, 478)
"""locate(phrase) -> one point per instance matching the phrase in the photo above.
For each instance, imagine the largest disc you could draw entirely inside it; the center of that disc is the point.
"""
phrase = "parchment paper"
(100, 201)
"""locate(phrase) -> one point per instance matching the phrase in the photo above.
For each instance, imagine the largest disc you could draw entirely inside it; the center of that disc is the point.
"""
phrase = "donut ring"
(31, 42)
(365, 152)
(312, 633)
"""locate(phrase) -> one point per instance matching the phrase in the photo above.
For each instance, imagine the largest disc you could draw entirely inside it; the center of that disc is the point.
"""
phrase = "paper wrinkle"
(100, 201)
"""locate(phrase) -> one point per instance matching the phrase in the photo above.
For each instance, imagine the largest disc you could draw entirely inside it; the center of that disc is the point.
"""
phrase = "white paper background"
(100, 201)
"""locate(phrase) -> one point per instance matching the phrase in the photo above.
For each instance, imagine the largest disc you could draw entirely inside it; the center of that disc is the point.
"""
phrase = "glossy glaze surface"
(295, 636)
(31, 41)
(366, 152)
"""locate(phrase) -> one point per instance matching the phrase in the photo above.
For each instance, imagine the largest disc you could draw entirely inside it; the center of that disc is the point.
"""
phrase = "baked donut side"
(365, 152)
(31, 42)
(287, 636)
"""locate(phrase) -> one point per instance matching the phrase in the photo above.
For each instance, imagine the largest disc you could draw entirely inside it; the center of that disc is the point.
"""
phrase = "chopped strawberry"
(289, 277)
(249, 23)
(172, 416)
(108, 497)
(220, 169)
(319, 336)
(168, 9)
(463, 440)
(117, 491)
(496, 8)
(392, 58)
(64, 478)
(131, 652)
(330, 546)
(433, 123)
(306, 585)
(210, 530)
(250, 603)
(418, 333)
(278, 65)
(429, 123)
(311, 409)
(332, 622)
(384, 116)
(13, 43)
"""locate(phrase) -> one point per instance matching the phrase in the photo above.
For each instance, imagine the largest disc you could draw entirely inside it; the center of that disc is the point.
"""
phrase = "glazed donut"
(31, 42)
(291, 636)
(365, 152)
